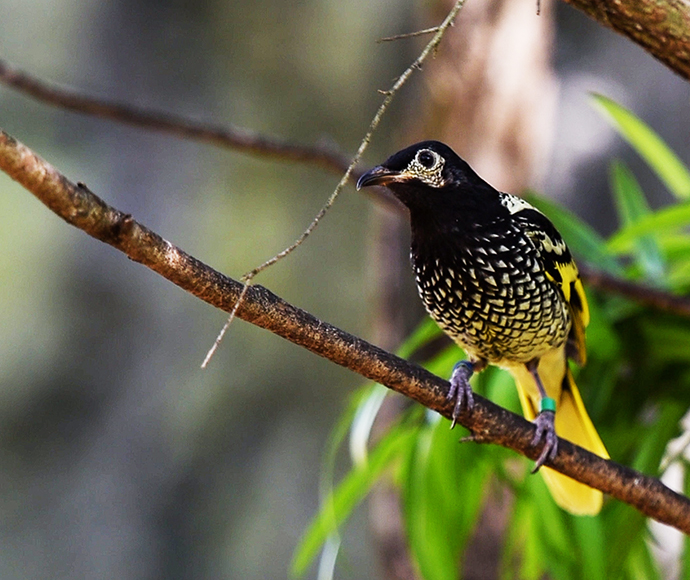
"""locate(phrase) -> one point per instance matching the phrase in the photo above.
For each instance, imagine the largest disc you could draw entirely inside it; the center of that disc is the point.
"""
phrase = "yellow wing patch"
(561, 270)
(574, 293)
(584, 312)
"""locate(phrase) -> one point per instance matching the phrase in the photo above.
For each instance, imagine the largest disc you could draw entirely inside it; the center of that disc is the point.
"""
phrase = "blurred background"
(119, 457)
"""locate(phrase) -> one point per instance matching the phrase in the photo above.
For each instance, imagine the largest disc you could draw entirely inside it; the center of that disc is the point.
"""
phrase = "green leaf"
(632, 206)
(630, 201)
(499, 386)
(663, 161)
(551, 520)
(592, 543)
(533, 556)
(679, 277)
(348, 494)
(363, 421)
(582, 240)
(522, 556)
(443, 489)
(662, 222)
(340, 431)
(602, 340)
(639, 563)
(335, 439)
(625, 528)
(676, 246)
(654, 444)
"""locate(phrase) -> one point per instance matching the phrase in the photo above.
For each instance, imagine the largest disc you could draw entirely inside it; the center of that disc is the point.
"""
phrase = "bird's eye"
(427, 158)
(427, 167)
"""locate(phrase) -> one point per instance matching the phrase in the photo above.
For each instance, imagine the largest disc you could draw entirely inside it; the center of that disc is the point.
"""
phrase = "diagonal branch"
(84, 210)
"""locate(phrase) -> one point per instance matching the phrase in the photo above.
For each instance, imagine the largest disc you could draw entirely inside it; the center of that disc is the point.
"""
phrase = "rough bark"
(661, 27)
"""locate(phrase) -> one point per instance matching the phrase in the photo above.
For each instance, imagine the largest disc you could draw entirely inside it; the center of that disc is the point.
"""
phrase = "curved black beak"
(379, 175)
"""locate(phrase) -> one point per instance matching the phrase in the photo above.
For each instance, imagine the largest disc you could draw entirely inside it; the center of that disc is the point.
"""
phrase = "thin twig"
(408, 34)
(84, 210)
(227, 136)
(402, 79)
(228, 322)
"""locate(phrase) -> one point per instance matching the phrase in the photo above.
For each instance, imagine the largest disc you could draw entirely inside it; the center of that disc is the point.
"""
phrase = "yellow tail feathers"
(572, 423)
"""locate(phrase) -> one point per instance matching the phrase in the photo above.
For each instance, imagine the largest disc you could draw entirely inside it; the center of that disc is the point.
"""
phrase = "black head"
(428, 174)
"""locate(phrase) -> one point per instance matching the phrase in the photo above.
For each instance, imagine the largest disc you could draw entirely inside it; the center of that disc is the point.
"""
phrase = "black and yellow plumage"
(498, 278)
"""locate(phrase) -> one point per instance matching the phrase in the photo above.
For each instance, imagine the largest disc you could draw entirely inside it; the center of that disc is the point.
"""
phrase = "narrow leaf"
(443, 490)
(348, 494)
(663, 221)
(592, 541)
(363, 421)
(632, 206)
(663, 161)
(666, 426)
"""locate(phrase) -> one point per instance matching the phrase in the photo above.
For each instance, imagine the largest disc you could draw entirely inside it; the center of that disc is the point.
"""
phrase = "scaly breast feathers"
(494, 299)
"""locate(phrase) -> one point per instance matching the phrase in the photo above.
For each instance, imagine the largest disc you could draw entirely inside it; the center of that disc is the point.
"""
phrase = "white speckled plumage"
(498, 278)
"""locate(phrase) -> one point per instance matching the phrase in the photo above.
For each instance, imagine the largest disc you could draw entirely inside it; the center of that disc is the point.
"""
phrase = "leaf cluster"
(635, 386)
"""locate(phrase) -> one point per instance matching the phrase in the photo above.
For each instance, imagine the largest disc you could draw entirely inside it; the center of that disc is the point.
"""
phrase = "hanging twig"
(402, 79)
(431, 30)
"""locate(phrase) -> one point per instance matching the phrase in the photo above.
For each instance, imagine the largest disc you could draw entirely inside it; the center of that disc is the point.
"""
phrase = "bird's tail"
(572, 423)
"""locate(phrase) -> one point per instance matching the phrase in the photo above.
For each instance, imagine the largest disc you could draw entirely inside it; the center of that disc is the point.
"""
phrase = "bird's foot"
(546, 431)
(460, 389)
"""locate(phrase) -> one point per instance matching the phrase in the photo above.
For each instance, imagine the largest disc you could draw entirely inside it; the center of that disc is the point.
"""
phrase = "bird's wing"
(561, 269)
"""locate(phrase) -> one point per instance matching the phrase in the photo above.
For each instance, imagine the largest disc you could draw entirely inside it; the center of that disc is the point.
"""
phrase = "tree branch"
(84, 210)
(661, 27)
(223, 136)
(646, 295)
(226, 136)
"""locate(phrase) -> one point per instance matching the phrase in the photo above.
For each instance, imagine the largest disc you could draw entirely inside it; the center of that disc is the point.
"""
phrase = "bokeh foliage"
(635, 386)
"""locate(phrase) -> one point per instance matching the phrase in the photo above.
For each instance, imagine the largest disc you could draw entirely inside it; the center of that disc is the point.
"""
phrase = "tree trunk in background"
(490, 93)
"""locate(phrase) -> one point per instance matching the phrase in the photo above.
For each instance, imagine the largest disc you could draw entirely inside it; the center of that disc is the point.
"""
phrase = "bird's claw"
(460, 389)
(545, 431)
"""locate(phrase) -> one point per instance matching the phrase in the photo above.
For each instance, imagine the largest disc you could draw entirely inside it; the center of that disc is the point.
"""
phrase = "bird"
(500, 281)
